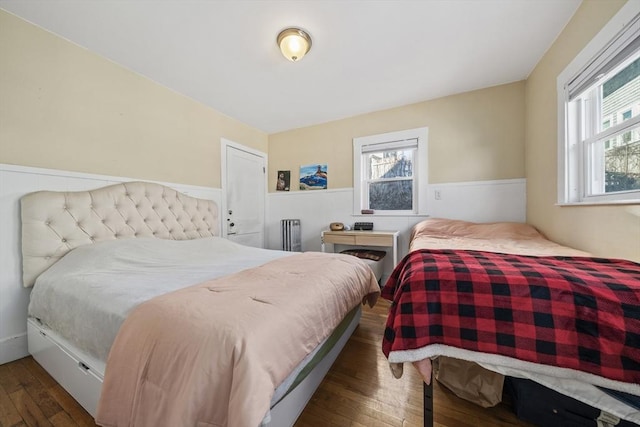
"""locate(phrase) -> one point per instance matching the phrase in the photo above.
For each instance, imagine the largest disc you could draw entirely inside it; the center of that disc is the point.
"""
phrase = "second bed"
(450, 261)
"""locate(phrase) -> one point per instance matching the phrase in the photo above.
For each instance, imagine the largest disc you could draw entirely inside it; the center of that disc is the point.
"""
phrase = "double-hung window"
(599, 116)
(390, 173)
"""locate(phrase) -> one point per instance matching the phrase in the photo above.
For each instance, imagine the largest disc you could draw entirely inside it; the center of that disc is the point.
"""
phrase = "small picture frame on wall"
(283, 182)
(313, 177)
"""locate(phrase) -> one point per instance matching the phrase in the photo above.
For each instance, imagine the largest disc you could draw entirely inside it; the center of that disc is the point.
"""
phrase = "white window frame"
(572, 158)
(420, 169)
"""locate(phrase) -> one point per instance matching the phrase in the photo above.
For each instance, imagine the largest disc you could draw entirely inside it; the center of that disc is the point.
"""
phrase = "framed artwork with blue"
(313, 177)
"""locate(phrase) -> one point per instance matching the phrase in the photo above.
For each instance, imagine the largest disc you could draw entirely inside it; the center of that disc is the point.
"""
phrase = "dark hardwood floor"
(358, 391)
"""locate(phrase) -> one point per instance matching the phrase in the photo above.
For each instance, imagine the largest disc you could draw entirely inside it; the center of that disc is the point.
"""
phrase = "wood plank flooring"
(359, 391)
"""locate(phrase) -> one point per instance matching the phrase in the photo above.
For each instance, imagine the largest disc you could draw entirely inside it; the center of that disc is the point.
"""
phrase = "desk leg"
(428, 403)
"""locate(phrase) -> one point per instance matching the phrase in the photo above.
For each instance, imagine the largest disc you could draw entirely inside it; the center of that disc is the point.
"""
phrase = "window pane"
(391, 195)
(390, 164)
(606, 124)
(621, 95)
(616, 163)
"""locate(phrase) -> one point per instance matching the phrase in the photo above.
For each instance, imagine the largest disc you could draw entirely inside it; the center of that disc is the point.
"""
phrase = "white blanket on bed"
(87, 294)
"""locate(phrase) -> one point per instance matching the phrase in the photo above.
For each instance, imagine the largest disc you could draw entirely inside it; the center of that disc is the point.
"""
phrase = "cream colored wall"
(611, 231)
(473, 136)
(63, 107)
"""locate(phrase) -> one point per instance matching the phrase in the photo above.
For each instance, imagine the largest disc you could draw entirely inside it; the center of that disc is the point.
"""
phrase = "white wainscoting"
(16, 181)
(479, 201)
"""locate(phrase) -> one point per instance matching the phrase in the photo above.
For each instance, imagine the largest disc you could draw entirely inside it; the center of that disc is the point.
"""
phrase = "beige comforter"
(504, 237)
(212, 354)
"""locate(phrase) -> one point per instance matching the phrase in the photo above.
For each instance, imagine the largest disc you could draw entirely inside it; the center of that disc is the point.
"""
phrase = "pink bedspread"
(503, 237)
(212, 354)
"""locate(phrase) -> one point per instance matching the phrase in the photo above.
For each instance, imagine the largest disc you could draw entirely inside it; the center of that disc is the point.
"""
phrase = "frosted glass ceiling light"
(294, 43)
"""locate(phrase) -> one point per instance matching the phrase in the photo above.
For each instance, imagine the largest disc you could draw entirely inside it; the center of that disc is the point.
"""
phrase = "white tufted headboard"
(54, 222)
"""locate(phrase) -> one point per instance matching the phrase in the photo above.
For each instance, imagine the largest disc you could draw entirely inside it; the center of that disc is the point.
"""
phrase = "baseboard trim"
(13, 348)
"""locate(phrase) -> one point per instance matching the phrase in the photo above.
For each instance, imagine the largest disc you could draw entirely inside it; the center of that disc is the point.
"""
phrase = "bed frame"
(53, 223)
(427, 402)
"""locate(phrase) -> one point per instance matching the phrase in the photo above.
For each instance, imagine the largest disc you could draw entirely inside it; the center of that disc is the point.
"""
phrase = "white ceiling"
(367, 55)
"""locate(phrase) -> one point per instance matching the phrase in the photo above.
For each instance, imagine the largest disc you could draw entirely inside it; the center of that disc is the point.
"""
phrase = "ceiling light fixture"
(294, 43)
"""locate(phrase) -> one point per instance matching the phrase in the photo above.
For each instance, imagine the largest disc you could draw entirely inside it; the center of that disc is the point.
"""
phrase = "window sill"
(601, 203)
(377, 215)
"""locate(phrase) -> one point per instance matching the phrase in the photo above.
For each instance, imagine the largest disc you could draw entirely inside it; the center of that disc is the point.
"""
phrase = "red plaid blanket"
(571, 312)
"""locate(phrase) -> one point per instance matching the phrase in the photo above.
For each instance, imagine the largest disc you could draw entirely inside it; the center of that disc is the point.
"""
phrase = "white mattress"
(86, 295)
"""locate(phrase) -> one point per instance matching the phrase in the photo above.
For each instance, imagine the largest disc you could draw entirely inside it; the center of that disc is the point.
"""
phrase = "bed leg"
(427, 397)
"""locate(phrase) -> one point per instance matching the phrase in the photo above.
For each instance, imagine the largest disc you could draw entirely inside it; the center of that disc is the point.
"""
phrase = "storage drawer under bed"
(79, 376)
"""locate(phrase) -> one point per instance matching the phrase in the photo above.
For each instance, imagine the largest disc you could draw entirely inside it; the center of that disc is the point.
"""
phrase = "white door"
(244, 188)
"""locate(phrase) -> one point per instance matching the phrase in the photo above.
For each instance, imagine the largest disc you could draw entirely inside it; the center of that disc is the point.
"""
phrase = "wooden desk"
(363, 238)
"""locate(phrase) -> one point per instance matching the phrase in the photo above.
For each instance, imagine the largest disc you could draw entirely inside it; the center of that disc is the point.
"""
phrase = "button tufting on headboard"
(53, 222)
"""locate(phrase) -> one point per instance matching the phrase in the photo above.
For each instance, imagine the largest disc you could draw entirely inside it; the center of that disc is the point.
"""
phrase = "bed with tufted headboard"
(53, 223)
(98, 259)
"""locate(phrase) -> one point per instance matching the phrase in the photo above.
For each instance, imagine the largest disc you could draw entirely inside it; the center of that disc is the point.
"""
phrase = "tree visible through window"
(390, 180)
(388, 171)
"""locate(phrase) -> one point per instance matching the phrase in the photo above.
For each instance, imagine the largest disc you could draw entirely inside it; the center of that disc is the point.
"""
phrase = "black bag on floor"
(544, 407)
